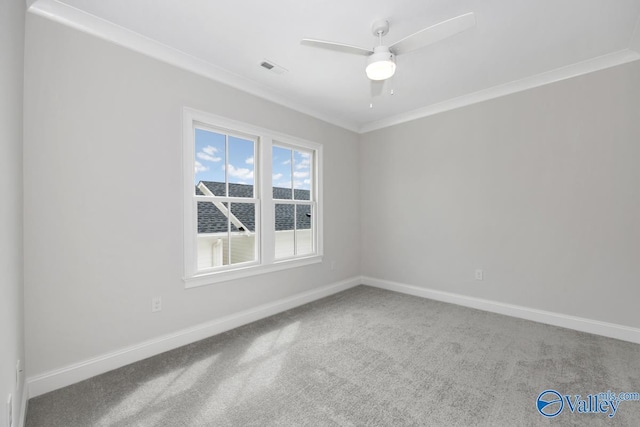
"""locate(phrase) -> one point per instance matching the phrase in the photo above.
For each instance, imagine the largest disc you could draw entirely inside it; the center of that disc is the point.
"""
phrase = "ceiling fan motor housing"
(381, 64)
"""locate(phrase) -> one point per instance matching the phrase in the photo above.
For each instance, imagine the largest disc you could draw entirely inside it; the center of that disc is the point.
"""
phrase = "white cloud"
(297, 174)
(249, 161)
(200, 167)
(287, 162)
(282, 184)
(207, 154)
(302, 184)
(210, 150)
(304, 164)
(276, 176)
(208, 157)
(242, 173)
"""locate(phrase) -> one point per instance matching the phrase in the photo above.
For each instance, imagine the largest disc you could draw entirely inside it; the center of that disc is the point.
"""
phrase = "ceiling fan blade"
(338, 47)
(434, 33)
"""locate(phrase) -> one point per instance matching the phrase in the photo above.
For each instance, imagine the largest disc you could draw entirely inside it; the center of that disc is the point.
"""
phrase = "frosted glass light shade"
(380, 65)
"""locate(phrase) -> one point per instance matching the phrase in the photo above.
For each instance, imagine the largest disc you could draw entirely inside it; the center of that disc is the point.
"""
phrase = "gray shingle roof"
(212, 220)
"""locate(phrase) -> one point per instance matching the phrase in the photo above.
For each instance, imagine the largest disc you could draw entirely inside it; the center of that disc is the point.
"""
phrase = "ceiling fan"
(381, 60)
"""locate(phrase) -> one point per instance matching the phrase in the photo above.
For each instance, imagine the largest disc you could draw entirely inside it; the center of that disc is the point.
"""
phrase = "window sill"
(254, 270)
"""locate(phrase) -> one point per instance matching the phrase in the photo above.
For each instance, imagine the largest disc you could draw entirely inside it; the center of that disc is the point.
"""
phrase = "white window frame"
(263, 197)
(312, 203)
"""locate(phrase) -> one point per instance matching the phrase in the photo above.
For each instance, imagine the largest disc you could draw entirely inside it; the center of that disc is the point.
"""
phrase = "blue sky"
(284, 165)
(288, 166)
(210, 158)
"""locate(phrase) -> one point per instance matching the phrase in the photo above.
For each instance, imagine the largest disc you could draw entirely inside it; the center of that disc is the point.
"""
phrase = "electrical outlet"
(156, 304)
(479, 274)
(10, 411)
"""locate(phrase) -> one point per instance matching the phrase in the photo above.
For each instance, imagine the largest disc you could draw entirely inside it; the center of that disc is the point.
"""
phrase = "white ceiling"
(516, 44)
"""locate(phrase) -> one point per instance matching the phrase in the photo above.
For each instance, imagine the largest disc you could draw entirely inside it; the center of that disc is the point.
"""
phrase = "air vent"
(273, 67)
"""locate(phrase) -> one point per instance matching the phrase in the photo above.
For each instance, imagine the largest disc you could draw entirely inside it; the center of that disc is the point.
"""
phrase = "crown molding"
(563, 73)
(91, 24)
(106, 30)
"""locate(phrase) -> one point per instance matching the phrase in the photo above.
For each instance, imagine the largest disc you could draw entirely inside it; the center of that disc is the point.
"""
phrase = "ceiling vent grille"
(273, 67)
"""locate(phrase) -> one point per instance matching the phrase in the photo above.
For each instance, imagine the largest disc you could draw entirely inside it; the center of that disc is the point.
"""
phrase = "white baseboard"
(596, 327)
(80, 371)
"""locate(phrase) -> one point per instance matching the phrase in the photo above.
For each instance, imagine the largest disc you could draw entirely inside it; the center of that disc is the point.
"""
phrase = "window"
(252, 200)
(294, 202)
(225, 198)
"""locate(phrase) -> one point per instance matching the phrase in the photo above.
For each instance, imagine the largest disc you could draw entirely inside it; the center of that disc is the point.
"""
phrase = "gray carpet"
(364, 357)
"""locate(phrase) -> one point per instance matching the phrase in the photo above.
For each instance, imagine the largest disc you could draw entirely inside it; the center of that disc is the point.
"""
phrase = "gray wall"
(541, 189)
(11, 278)
(103, 198)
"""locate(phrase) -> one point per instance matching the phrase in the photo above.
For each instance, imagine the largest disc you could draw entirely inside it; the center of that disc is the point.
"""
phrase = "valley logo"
(550, 403)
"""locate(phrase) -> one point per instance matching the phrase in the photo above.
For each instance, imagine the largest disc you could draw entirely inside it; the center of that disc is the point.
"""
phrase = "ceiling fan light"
(380, 66)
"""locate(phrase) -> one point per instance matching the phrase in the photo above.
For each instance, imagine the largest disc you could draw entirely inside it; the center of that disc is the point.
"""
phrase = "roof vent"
(273, 67)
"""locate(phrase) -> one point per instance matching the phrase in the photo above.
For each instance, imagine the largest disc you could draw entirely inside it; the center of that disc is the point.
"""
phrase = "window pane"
(281, 172)
(243, 237)
(240, 167)
(284, 237)
(302, 175)
(209, 159)
(304, 235)
(212, 235)
(216, 225)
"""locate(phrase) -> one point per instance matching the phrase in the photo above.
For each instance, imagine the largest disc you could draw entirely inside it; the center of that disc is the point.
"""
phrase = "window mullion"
(293, 189)
(229, 234)
(295, 229)
(226, 165)
(293, 202)
(268, 222)
(313, 219)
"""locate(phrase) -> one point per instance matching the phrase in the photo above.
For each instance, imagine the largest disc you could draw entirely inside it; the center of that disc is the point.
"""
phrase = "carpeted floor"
(364, 357)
